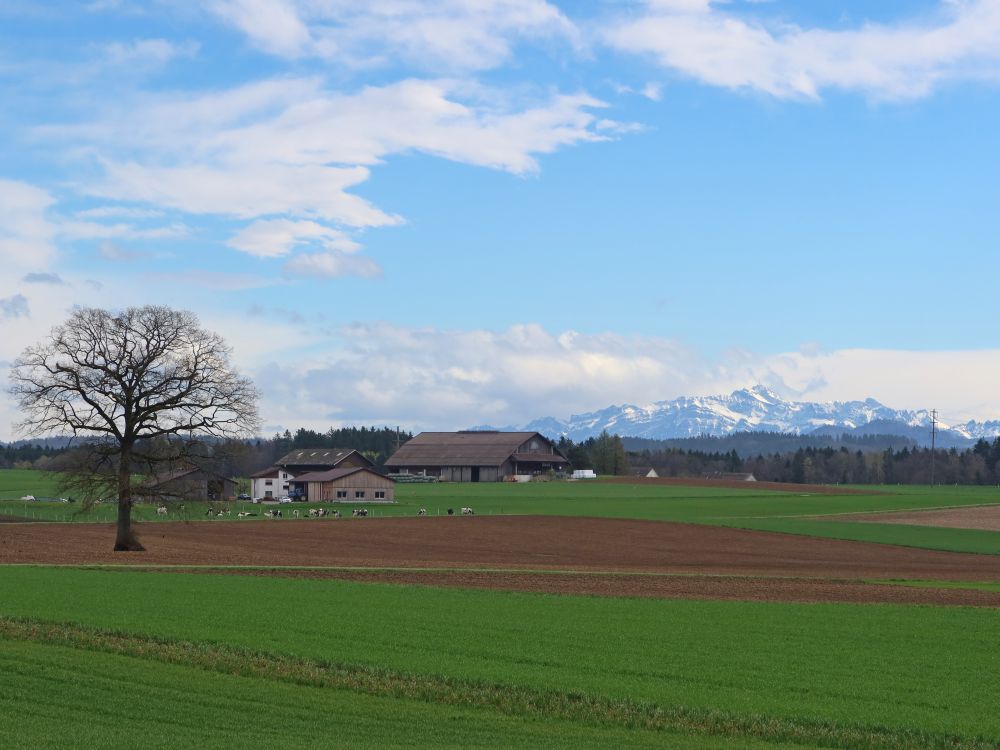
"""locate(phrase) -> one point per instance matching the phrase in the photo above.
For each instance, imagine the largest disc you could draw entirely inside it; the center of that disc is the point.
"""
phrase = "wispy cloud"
(445, 34)
(714, 45)
(15, 306)
(26, 234)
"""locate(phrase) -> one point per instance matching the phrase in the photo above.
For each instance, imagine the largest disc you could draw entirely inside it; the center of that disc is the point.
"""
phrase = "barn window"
(359, 494)
(379, 494)
(342, 493)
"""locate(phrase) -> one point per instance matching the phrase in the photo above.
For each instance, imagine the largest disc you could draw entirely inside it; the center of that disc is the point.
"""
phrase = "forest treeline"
(828, 465)
(607, 454)
(235, 458)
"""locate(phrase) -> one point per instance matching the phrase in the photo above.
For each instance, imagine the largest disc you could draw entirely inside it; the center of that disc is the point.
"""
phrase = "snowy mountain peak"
(757, 408)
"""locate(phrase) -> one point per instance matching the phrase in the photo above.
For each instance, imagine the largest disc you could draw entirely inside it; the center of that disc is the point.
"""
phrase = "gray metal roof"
(465, 449)
(318, 457)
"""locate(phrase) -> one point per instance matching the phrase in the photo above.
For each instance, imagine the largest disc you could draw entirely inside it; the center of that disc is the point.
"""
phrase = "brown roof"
(467, 449)
(332, 474)
(264, 473)
(318, 457)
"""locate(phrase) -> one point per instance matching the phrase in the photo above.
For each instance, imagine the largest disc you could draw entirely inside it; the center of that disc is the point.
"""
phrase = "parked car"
(285, 499)
(28, 497)
(243, 496)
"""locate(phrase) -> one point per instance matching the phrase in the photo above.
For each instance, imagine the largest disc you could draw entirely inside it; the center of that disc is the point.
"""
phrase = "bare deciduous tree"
(145, 376)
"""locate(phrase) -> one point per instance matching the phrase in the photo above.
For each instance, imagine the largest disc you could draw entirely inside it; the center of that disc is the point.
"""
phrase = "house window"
(267, 494)
(341, 493)
(380, 494)
(284, 475)
(267, 482)
(359, 494)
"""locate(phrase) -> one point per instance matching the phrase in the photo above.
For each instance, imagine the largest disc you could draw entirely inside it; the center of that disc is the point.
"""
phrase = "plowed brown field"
(731, 484)
(727, 563)
(985, 517)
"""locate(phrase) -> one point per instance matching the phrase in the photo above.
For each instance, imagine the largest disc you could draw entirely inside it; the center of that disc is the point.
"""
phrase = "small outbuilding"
(355, 484)
(477, 455)
(188, 483)
(646, 472)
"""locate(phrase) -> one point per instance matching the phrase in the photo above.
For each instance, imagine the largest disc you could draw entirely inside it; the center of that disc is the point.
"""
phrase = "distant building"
(348, 485)
(477, 456)
(275, 481)
(646, 472)
(187, 483)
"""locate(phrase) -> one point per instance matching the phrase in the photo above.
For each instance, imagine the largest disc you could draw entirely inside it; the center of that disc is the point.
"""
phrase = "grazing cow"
(468, 512)
(162, 510)
(220, 514)
(242, 514)
(422, 512)
(336, 514)
(295, 513)
(272, 514)
(451, 511)
(313, 513)
(360, 512)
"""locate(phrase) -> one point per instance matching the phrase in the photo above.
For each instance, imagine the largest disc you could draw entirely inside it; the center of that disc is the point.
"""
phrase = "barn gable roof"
(332, 474)
(319, 457)
(470, 448)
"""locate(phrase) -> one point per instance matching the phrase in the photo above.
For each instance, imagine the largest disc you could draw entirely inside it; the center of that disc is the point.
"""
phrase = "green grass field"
(908, 676)
(99, 658)
(788, 512)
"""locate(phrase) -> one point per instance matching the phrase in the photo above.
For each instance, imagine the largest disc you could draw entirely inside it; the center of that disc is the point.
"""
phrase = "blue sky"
(453, 213)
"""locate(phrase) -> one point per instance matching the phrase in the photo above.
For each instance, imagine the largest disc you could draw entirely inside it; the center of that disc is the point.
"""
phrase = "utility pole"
(933, 436)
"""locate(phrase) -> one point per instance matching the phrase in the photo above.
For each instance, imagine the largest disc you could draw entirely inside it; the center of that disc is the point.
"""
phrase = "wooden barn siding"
(327, 491)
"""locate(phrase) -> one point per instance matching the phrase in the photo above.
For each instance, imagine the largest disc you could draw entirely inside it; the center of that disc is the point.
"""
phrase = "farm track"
(820, 569)
(730, 484)
(643, 586)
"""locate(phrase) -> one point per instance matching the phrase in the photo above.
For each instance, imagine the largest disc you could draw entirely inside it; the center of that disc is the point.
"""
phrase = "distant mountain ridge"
(758, 409)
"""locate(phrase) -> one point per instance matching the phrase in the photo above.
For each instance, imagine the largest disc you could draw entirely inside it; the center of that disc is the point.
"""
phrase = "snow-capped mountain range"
(757, 409)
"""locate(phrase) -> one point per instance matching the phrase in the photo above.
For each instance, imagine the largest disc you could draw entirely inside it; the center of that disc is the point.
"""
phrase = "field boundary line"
(512, 700)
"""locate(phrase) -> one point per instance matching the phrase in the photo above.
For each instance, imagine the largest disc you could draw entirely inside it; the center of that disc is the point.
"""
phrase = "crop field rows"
(561, 615)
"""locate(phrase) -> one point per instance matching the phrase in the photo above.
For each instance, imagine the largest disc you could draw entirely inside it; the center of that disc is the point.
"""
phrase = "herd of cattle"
(311, 513)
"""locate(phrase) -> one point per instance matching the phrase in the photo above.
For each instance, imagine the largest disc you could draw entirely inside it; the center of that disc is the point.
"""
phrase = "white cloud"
(147, 53)
(715, 46)
(332, 264)
(273, 238)
(429, 378)
(439, 34)
(26, 235)
(285, 155)
(43, 278)
(115, 252)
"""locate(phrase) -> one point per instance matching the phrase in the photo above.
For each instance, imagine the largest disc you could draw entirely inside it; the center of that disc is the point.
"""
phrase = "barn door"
(475, 473)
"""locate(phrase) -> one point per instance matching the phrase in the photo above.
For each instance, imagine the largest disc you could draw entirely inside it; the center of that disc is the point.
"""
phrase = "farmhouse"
(275, 481)
(356, 484)
(188, 483)
(477, 456)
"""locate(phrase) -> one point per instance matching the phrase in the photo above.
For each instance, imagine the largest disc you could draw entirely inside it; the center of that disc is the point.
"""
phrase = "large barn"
(477, 456)
(276, 481)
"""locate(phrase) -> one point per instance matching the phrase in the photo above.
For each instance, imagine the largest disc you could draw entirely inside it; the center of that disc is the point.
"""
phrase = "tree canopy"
(148, 382)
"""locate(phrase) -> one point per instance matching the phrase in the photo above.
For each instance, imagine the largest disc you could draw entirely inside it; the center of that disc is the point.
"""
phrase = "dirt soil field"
(986, 518)
(729, 484)
(509, 542)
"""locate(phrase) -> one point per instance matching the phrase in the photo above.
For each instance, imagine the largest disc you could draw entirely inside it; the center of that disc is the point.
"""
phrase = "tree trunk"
(125, 541)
